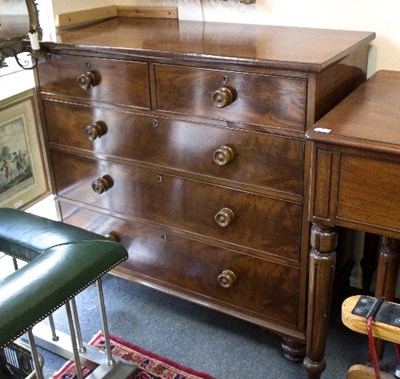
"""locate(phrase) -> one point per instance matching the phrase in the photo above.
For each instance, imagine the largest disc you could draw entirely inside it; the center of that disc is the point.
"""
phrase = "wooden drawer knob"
(87, 80)
(102, 184)
(223, 97)
(95, 130)
(224, 217)
(226, 278)
(113, 236)
(223, 155)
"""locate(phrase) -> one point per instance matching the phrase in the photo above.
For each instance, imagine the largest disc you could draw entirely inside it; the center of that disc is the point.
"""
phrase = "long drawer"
(198, 269)
(241, 218)
(105, 80)
(259, 159)
(232, 96)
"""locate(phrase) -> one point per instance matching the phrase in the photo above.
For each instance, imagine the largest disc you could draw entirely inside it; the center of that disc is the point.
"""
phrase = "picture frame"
(23, 171)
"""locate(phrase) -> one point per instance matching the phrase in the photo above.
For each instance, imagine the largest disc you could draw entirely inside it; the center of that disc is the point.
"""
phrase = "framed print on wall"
(23, 174)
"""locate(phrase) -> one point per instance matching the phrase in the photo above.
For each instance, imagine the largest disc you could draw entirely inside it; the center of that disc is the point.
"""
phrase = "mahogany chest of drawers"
(185, 141)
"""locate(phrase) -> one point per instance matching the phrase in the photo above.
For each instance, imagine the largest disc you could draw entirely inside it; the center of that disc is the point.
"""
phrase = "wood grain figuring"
(261, 99)
(185, 204)
(59, 75)
(154, 140)
(195, 266)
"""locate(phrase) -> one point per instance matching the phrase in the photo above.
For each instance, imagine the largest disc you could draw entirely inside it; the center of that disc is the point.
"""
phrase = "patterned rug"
(151, 366)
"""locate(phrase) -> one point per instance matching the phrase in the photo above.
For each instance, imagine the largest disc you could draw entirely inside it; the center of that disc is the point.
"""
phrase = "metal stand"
(103, 363)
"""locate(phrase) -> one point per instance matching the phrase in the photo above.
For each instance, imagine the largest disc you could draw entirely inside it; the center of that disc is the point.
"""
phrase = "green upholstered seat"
(24, 235)
(62, 266)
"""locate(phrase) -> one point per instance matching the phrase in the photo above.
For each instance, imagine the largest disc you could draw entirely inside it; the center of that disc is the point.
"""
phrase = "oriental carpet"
(150, 365)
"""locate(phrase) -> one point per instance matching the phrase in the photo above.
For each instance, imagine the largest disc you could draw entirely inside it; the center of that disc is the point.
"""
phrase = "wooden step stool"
(386, 326)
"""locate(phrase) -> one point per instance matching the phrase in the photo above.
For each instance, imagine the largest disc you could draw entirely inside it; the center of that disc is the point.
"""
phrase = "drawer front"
(117, 82)
(262, 223)
(161, 256)
(369, 192)
(232, 96)
(199, 148)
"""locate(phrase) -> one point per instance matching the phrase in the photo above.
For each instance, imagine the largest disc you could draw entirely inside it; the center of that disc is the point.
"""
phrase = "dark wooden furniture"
(355, 175)
(186, 141)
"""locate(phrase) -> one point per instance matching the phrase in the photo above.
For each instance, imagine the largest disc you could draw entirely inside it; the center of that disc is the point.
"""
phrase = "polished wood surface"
(355, 157)
(363, 198)
(148, 139)
(130, 87)
(276, 47)
(257, 99)
(191, 267)
(172, 200)
(367, 118)
(186, 141)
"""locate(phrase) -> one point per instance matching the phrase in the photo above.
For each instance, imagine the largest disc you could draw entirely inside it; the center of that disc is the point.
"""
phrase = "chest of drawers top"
(282, 77)
(288, 48)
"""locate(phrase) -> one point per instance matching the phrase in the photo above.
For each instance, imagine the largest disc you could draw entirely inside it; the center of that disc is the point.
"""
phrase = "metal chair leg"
(81, 346)
(73, 342)
(35, 356)
(110, 360)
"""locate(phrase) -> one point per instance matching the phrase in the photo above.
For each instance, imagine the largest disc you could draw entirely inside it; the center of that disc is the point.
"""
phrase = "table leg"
(386, 280)
(388, 268)
(321, 274)
(369, 259)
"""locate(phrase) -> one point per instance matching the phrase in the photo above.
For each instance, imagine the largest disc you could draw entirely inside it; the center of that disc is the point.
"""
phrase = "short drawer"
(259, 159)
(232, 96)
(198, 269)
(237, 217)
(105, 80)
(369, 192)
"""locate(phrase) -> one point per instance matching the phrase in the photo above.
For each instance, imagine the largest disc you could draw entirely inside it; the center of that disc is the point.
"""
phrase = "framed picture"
(23, 174)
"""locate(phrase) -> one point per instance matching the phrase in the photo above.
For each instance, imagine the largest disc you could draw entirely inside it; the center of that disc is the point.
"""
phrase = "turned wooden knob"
(87, 80)
(223, 155)
(102, 184)
(226, 278)
(113, 236)
(224, 217)
(223, 97)
(95, 130)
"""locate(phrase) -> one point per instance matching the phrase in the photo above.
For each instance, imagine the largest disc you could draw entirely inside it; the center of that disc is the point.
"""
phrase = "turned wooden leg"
(386, 280)
(369, 259)
(388, 268)
(321, 274)
(293, 350)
